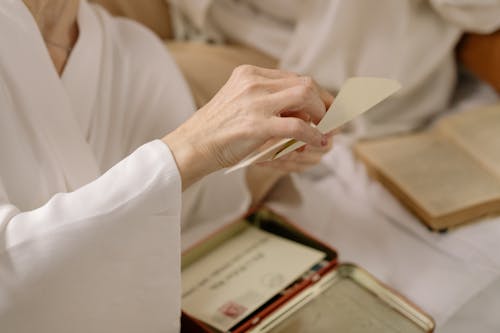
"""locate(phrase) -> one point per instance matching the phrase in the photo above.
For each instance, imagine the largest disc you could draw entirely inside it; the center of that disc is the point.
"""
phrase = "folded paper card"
(356, 96)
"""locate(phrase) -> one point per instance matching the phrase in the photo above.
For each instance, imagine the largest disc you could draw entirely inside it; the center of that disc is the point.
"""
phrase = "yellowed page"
(434, 173)
(478, 132)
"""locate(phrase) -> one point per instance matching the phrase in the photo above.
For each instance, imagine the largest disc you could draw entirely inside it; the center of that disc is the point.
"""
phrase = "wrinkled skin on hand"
(256, 105)
(299, 160)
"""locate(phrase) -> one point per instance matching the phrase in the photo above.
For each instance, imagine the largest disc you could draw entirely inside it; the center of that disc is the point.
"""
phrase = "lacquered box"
(338, 297)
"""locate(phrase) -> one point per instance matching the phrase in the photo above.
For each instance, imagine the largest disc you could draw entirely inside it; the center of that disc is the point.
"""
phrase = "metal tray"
(347, 300)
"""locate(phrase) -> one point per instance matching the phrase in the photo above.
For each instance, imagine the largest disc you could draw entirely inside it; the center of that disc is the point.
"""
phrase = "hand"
(262, 177)
(299, 160)
(255, 105)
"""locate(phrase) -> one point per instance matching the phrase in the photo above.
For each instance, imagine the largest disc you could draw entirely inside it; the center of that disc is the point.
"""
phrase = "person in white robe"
(455, 277)
(90, 197)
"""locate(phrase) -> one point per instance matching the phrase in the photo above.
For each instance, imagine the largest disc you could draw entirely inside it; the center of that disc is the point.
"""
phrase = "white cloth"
(412, 41)
(90, 238)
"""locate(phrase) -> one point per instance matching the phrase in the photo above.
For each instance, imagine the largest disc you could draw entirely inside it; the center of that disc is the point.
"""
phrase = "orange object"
(480, 54)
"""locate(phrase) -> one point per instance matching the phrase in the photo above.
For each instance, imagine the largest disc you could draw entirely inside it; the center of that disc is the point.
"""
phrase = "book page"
(432, 172)
(243, 273)
(477, 131)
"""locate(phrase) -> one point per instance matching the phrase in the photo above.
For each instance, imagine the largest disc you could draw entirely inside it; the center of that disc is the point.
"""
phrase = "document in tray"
(356, 96)
(243, 273)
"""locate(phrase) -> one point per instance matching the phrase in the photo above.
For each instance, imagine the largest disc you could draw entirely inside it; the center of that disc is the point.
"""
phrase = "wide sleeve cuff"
(145, 183)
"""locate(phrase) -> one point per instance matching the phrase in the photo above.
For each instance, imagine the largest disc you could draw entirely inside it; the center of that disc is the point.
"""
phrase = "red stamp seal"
(232, 310)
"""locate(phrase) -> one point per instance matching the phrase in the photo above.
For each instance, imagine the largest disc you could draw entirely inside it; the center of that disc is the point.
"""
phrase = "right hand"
(253, 107)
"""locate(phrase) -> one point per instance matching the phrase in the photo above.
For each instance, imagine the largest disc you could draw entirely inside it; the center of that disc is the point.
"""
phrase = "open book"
(448, 175)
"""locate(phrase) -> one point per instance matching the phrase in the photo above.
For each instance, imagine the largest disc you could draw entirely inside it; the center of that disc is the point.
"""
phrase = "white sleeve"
(105, 257)
(481, 16)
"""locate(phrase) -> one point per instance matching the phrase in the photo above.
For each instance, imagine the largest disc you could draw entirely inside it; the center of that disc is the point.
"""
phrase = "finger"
(273, 73)
(334, 132)
(286, 166)
(291, 127)
(282, 83)
(291, 81)
(303, 158)
(250, 70)
(310, 159)
(299, 98)
(308, 148)
(322, 149)
(326, 97)
(287, 79)
(311, 152)
(297, 114)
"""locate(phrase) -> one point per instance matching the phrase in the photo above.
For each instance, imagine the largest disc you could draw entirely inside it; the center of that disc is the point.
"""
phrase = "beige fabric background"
(207, 67)
(151, 13)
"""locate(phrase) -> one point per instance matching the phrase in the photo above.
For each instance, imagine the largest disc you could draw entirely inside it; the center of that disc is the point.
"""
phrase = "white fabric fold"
(105, 257)
(90, 202)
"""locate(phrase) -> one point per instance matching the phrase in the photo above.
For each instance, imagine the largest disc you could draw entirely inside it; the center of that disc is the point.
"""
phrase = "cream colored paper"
(356, 96)
(243, 273)
(264, 155)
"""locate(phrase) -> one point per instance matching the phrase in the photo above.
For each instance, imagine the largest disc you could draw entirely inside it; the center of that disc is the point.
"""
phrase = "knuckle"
(244, 70)
(262, 104)
(295, 126)
(251, 85)
(308, 82)
(290, 74)
(302, 92)
(305, 91)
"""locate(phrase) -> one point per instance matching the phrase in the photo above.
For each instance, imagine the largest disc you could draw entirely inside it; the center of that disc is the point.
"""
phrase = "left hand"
(261, 177)
(299, 160)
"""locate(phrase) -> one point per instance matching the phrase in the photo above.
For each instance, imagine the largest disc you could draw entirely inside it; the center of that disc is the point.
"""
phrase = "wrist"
(189, 162)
